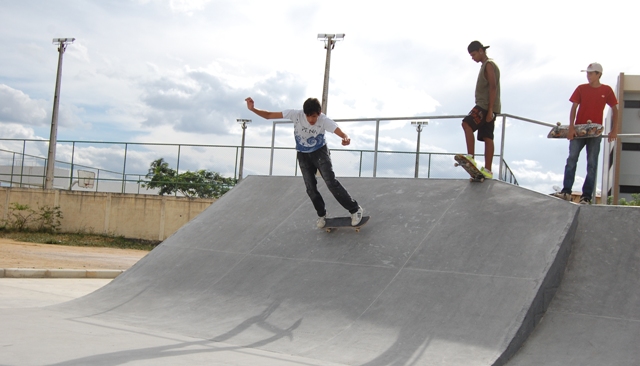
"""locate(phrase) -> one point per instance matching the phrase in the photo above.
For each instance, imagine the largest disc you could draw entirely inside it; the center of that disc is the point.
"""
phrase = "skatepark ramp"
(594, 318)
(445, 273)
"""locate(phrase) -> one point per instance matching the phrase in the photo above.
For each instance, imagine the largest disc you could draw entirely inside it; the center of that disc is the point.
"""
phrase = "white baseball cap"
(594, 67)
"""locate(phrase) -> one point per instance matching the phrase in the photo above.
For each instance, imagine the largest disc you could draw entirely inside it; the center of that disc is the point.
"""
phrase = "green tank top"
(482, 89)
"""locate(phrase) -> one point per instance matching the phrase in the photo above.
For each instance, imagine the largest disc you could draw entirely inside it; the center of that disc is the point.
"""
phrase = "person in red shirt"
(589, 101)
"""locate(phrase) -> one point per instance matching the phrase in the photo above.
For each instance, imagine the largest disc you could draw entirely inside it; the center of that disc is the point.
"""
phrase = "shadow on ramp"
(446, 273)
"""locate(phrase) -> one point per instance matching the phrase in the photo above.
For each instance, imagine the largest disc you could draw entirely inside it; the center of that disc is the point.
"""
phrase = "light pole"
(419, 125)
(53, 137)
(244, 123)
(329, 42)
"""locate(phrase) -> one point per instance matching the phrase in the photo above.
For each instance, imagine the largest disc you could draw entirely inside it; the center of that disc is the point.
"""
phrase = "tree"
(201, 183)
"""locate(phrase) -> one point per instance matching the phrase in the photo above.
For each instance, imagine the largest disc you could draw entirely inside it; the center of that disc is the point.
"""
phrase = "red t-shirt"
(592, 101)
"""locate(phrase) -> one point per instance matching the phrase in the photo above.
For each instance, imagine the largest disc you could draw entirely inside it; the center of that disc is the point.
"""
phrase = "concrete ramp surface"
(445, 273)
(595, 317)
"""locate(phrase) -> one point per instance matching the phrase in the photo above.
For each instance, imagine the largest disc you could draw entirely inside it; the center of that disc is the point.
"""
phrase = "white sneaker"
(321, 221)
(356, 217)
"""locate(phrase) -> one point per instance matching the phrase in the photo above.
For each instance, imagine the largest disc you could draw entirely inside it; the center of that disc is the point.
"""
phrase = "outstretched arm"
(345, 138)
(260, 112)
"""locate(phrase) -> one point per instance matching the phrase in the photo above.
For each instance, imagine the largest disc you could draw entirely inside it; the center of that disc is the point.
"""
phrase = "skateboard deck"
(582, 131)
(474, 172)
(333, 223)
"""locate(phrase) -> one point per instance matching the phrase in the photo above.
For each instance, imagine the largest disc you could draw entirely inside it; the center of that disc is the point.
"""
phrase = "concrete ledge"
(103, 273)
(59, 273)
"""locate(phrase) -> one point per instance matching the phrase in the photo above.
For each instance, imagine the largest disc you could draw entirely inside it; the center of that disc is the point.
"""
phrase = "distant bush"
(635, 200)
(24, 218)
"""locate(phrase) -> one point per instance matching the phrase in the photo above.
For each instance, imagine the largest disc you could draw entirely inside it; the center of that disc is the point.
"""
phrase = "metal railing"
(123, 166)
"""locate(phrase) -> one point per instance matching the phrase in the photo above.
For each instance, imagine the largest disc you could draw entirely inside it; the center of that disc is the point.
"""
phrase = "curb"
(59, 273)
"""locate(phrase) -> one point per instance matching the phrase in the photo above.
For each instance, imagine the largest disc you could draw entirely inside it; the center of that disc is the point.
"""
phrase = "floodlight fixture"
(63, 40)
(419, 122)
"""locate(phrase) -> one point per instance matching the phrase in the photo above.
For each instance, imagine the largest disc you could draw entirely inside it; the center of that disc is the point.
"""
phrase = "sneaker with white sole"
(322, 221)
(356, 217)
(585, 201)
(487, 173)
(562, 195)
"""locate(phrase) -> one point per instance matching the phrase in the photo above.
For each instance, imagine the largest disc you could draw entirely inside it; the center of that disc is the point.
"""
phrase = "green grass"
(80, 240)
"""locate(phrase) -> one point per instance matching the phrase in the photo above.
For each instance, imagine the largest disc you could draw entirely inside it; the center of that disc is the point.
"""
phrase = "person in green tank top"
(483, 116)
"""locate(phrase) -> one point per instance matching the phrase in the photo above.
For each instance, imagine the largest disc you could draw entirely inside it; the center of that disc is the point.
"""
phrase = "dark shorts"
(476, 120)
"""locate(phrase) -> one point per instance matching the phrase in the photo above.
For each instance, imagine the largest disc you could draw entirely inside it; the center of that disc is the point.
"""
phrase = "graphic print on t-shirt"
(309, 138)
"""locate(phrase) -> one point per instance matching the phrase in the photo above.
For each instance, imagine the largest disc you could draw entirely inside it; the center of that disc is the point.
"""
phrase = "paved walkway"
(38, 292)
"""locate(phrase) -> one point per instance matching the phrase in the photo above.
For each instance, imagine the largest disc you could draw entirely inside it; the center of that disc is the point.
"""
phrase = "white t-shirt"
(309, 138)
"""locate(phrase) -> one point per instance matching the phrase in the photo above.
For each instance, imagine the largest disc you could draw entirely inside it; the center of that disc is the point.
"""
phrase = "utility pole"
(329, 42)
(419, 125)
(243, 122)
(53, 137)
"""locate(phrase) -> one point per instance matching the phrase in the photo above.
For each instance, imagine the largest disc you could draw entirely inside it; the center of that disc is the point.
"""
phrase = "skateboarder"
(309, 126)
(589, 100)
(483, 116)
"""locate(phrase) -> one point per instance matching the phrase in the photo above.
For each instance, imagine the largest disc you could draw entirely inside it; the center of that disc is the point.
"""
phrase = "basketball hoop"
(86, 178)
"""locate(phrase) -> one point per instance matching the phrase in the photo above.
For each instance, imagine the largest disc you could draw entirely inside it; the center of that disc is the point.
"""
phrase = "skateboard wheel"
(357, 230)
(327, 230)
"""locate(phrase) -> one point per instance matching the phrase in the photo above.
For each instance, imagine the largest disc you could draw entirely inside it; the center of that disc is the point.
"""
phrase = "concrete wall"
(129, 215)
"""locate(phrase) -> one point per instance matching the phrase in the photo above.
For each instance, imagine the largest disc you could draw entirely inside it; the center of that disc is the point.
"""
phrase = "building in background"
(621, 158)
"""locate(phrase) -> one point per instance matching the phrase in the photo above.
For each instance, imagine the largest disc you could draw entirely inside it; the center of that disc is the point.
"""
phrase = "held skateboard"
(333, 223)
(582, 131)
(474, 172)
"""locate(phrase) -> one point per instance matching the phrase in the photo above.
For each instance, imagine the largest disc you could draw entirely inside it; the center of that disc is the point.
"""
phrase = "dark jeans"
(593, 150)
(320, 160)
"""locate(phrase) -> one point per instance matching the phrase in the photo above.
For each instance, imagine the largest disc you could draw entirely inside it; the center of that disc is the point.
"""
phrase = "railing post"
(13, 162)
(235, 170)
(73, 151)
(504, 124)
(273, 140)
(24, 150)
(178, 162)
(124, 168)
(375, 150)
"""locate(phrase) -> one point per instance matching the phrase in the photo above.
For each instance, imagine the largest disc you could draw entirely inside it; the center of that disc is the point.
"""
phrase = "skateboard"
(474, 172)
(582, 131)
(333, 223)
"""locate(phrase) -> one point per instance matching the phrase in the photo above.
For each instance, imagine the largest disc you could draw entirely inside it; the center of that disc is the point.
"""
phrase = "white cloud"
(17, 107)
(188, 6)
(16, 131)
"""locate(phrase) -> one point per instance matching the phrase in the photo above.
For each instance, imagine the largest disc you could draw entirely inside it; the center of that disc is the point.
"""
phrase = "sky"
(178, 71)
